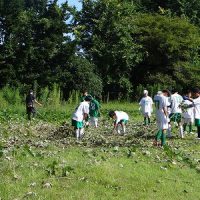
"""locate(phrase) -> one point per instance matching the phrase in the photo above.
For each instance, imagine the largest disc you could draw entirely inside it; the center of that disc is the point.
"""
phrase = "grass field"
(42, 160)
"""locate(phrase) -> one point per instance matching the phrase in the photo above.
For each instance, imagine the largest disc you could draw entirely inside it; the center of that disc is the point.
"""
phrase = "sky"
(72, 3)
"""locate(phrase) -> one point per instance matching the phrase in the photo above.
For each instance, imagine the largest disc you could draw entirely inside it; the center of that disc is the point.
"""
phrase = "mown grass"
(96, 174)
(55, 170)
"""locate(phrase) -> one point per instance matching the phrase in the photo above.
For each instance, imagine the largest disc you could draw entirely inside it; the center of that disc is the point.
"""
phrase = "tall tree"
(34, 42)
(107, 43)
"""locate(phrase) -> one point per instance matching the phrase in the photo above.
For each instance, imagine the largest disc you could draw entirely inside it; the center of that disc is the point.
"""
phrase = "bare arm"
(37, 102)
(165, 111)
(114, 128)
(85, 116)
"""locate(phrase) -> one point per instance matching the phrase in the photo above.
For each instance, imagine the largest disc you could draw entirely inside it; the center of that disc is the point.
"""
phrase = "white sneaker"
(198, 138)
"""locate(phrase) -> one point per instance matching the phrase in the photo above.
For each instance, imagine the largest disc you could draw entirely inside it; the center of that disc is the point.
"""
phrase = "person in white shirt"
(176, 111)
(161, 103)
(146, 107)
(196, 104)
(188, 114)
(80, 114)
(121, 119)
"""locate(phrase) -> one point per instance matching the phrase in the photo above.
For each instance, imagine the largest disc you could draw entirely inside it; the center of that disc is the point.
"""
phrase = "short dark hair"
(167, 91)
(174, 90)
(111, 113)
(196, 90)
(84, 91)
(88, 98)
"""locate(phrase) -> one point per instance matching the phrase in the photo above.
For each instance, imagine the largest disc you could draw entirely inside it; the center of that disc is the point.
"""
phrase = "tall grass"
(10, 96)
(74, 97)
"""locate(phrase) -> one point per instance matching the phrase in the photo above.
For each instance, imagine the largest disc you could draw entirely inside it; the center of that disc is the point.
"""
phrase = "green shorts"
(77, 124)
(197, 122)
(175, 117)
(124, 121)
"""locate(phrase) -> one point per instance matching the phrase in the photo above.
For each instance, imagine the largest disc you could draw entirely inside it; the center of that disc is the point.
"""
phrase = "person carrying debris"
(121, 119)
(80, 115)
(30, 107)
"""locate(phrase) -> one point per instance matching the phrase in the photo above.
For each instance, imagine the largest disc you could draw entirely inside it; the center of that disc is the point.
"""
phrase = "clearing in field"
(43, 160)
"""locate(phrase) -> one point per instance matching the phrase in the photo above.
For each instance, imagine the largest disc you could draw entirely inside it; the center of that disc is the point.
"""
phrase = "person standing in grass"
(176, 111)
(146, 107)
(30, 104)
(196, 105)
(161, 103)
(94, 112)
(121, 119)
(80, 114)
(188, 114)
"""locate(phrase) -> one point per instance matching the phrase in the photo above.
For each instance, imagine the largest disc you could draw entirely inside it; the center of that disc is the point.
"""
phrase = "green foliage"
(108, 42)
(110, 46)
(54, 98)
(74, 97)
(44, 96)
(187, 9)
(80, 75)
(11, 96)
(169, 45)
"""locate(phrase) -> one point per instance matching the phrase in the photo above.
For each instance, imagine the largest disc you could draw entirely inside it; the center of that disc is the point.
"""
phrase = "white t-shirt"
(146, 104)
(160, 102)
(176, 100)
(82, 109)
(189, 113)
(120, 115)
(197, 108)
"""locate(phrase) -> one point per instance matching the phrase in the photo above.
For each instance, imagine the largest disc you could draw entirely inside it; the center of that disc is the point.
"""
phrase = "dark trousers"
(198, 131)
(30, 111)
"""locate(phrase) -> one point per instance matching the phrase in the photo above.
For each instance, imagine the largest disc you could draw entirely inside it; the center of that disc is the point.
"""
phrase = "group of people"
(88, 112)
(169, 107)
(172, 107)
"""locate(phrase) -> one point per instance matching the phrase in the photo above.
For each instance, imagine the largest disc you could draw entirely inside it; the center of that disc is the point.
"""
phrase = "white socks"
(181, 131)
(124, 129)
(119, 127)
(94, 121)
(79, 133)
(169, 131)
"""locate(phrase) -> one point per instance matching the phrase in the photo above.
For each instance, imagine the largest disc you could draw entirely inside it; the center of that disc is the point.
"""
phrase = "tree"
(107, 43)
(34, 42)
(81, 75)
(187, 9)
(170, 44)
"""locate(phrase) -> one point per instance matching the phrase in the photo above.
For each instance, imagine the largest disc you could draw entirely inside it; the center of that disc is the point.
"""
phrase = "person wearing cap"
(30, 104)
(80, 114)
(161, 104)
(120, 120)
(176, 111)
(146, 107)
